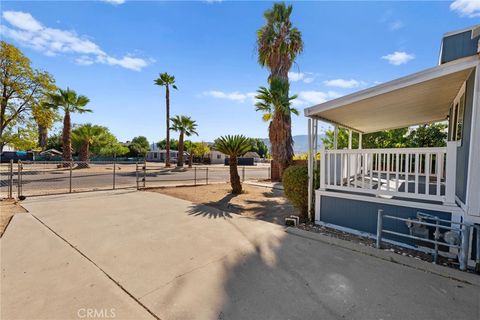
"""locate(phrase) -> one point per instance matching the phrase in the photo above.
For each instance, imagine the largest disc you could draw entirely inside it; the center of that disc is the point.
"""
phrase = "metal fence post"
(114, 167)
(463, 256)
(136, 174)
(195, 176)
(71, 168)
(206, 176)
(10, 181)
(19, 179)
(144, 174)
(243, 174)
(379, 228)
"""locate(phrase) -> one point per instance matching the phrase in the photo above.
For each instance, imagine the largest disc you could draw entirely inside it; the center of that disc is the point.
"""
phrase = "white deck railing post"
(450, 174)
(323, 159)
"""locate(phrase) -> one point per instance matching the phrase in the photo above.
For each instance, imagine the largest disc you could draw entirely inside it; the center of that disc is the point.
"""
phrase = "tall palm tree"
(186, 127)
(69, 102)
(279, 43)
(233, 146)
(167, 81)
(84, 136)
(275, 103)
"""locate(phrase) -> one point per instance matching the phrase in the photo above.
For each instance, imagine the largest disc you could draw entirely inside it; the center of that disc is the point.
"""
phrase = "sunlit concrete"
(187, 261)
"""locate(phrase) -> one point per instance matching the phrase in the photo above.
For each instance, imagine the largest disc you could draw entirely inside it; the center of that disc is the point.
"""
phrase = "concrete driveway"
(145, 255)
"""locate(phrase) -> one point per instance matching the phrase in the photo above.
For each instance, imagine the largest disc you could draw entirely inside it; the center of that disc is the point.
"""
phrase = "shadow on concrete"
(216, 209)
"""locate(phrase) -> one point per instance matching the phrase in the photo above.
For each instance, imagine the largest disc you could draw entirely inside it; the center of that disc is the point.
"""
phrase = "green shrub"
(295, 184)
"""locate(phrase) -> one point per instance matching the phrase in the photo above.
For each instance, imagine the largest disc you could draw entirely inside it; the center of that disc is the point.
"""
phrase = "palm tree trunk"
(190, 162)
(42, 137)
(234, 177)
(66, 137)
(180, 149)
(84, 152)
(84, 155)
(280, 135)
(167, 144)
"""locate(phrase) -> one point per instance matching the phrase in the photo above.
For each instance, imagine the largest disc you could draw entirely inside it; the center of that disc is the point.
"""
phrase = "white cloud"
(343, 83)
(398, 57)
(466, 8)
(233, 96)
(296, 76)
(396, 25)
(22, 20)
(114, 2)
(51, 41)
(307, 77)
(308, 98)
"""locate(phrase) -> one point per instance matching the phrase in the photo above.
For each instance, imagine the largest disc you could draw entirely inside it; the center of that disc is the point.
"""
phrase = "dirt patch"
(8, 208)
(256, 202)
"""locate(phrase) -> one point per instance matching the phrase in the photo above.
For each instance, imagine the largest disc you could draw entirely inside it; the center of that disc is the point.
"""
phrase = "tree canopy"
(22, 88)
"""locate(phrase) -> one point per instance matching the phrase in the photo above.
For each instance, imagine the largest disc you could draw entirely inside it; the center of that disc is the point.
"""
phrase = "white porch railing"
(418, 173)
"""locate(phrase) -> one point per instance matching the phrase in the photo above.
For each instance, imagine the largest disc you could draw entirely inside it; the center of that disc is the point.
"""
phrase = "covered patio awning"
(422, 97)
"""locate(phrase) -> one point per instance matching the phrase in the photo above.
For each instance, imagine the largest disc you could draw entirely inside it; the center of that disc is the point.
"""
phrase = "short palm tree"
(279, 43)
(186, 127)
(167, 81)
(85, 136)
(233, 146)
(69, 102)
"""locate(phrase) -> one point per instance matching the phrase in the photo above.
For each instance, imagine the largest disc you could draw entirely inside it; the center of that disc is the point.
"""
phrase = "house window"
(219, 156)
(154, 155)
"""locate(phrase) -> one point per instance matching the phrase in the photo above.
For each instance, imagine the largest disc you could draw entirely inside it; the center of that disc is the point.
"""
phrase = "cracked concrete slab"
(42, 277)
(188, 261)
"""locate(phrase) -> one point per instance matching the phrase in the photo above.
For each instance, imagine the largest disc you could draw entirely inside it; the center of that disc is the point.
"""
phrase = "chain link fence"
(33, 178)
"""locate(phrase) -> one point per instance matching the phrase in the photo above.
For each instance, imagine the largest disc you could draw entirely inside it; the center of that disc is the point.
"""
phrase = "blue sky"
(111, 51)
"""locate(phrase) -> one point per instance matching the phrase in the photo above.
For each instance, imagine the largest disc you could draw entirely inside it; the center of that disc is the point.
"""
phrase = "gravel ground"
(256, 202)
(371, 243)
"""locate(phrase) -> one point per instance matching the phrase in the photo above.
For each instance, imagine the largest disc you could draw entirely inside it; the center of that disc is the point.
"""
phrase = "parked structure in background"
(408, 183)
(215, 157)
(160, 156)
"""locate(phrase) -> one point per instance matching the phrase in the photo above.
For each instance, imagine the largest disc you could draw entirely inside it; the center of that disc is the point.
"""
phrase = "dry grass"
(8, 208)
(256, 202)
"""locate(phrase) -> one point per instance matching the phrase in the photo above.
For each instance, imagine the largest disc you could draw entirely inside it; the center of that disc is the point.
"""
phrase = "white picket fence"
(418, 173)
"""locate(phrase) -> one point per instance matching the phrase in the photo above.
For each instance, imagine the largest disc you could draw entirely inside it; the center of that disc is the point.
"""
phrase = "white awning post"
(310, 169)
(349, 139)
(360, 140)
(335, 137)
(450, 174)
(322, 168)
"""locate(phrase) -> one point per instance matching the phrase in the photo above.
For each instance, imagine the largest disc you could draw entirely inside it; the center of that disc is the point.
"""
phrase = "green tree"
(234, 147)
(87, 135)
(279, 43)
(162, 144)
(69, 102)
(88, 140)
(54, 141)
(167, 81)
(26, 137)
(21, 87)
(428, 135)
(186, 127)
(197, 149)
(45, 118)
(139, 146)
(259, 146)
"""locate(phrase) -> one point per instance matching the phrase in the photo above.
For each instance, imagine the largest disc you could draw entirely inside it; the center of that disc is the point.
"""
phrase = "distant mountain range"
(300, 143)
